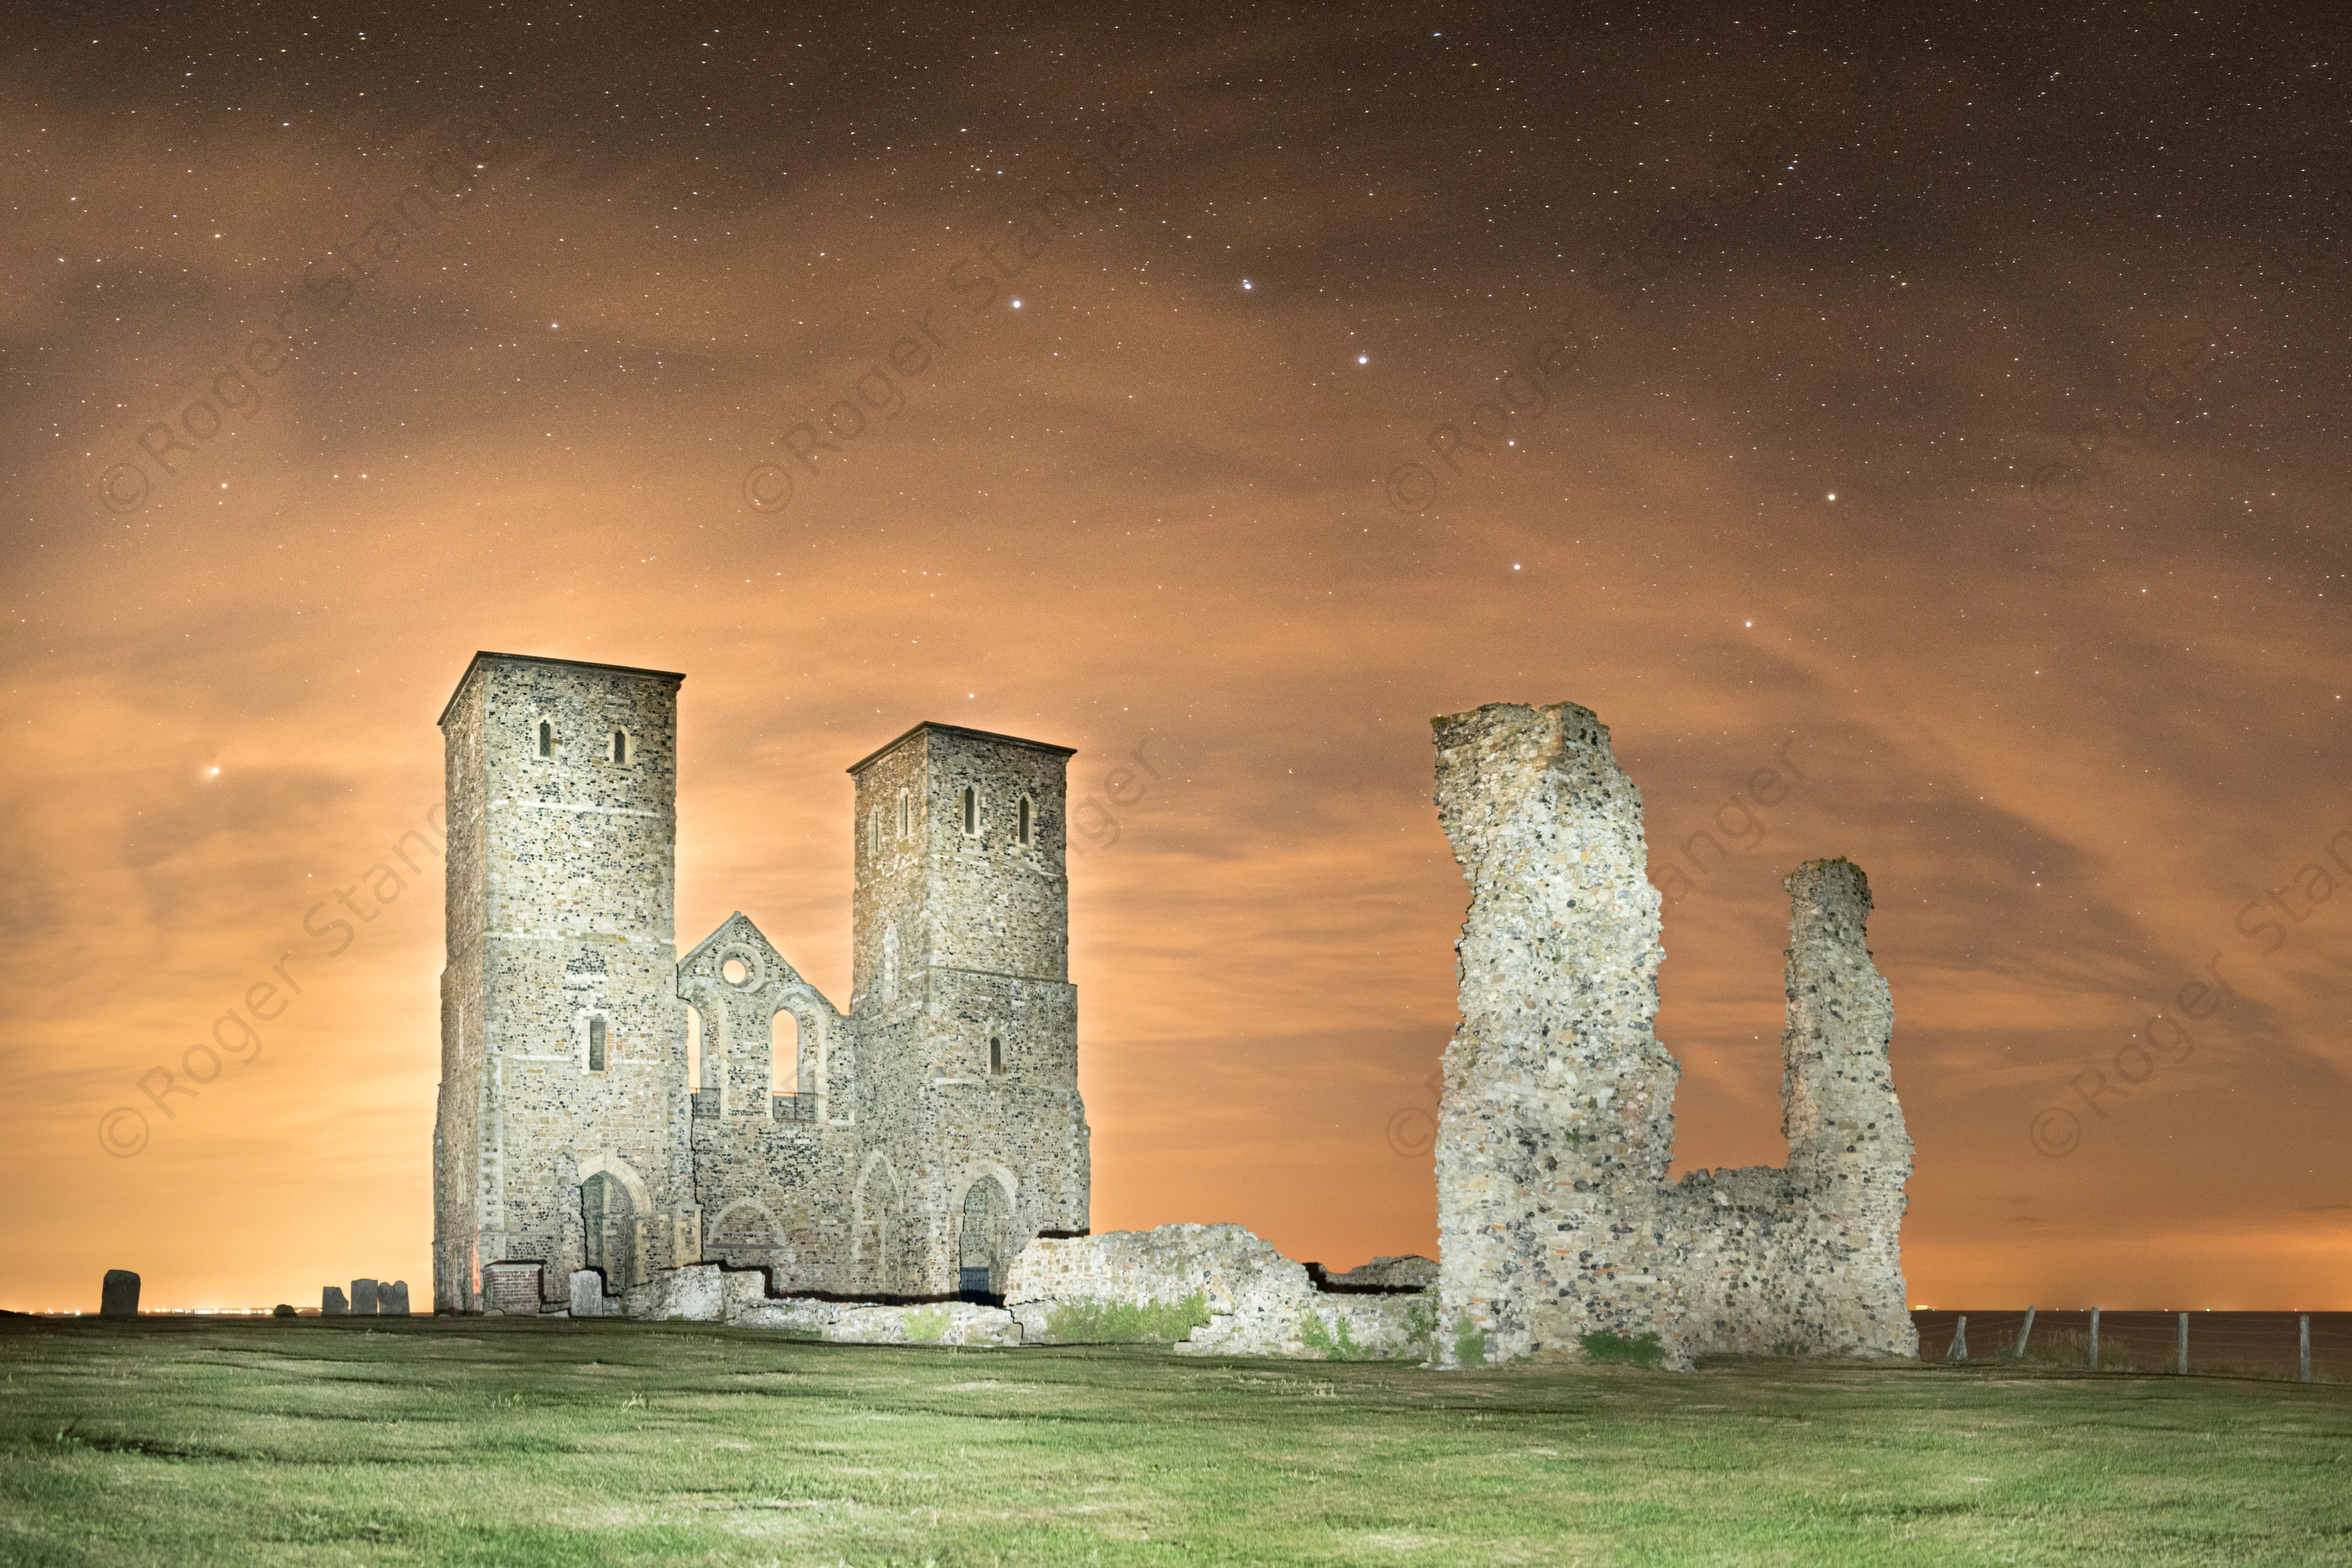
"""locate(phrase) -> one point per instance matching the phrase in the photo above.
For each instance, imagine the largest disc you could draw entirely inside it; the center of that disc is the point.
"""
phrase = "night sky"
(1919, 440)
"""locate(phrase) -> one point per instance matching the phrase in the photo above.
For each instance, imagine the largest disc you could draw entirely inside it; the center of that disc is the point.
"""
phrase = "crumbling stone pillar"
(1849, 1153)
(1555, 1126)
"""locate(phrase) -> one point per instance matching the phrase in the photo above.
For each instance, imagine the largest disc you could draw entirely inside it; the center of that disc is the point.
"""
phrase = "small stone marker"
(118, 1294)
(391, 1299)
(363, 1298)
(283, 1310)
(587, 1293)
(511, 1290)
(332, 1303)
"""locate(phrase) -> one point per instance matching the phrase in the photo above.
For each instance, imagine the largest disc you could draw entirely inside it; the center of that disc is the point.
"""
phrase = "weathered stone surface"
(1157, 1284)
(363, 1298)
(1555, 1127)
(930, 1323)
(118, 1294)
(332, 1303)
(945, 1098)
(391, 1299)
(587, 1293)
(1411, 1272)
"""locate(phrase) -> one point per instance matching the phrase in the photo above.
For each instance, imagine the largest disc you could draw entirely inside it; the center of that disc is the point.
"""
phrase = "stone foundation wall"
(1556, 1126)
(1206, 1290)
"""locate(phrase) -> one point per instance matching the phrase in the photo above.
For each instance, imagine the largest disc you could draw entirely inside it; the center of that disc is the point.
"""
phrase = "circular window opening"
(735, 972)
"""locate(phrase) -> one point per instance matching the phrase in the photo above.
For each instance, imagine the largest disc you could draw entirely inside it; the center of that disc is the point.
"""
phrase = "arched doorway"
(980, 1247)
(608, 1221)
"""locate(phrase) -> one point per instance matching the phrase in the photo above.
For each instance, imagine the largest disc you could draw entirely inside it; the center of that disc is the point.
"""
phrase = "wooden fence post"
(2303, 1333)
(2095, 1338)
(1957, 1351)
(2184, 1344)
(2025, 1333)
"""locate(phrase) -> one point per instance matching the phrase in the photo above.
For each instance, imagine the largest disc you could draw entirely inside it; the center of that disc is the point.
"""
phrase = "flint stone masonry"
(118, 1294)
(1555, 1126)
(906, 1146)
(1411, 1272)
(1258, 1301)
(332, 1303)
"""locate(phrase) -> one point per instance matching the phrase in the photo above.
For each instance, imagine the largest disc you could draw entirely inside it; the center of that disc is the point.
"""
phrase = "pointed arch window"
(621, 748)
(546, 739)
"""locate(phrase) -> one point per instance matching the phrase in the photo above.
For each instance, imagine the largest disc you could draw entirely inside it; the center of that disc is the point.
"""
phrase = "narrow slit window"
(970, 810)
(995, 1053)
(906, 814)
(874, 830)
(546, 739)
(595, 1045)
(621, 747)
(784, 1054)
(1024, 820)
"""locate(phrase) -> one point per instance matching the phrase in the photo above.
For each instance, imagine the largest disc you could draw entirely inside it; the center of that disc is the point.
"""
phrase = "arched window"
(546, 739)
(995, 1053)
(621, 747)
(595, 1045)
(1024, 819)
(970, 810)
(784, 1054)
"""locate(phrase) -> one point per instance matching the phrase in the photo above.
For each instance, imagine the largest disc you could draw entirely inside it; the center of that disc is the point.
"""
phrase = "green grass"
(574, 1443)
(1641, 1350)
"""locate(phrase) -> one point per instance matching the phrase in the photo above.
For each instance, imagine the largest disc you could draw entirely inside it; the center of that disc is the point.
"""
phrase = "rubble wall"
(1556, 1124)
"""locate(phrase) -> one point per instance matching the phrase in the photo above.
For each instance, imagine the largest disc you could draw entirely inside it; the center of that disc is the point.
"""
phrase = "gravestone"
(118, 1294)
(363, 1302)
(391, 1299)
(587, 1293)
(332, 1303)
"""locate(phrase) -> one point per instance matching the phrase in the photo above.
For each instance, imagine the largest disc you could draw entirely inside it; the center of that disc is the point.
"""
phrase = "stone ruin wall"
(1556, 1127)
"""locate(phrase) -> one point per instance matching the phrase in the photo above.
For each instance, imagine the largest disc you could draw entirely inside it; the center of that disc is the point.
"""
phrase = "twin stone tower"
(912, 1145)
(908, 1147)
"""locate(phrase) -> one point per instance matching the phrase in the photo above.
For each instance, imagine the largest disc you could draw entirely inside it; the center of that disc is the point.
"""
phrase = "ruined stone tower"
(963, 1006)
(563, 1056)
(1555, 1126)
(909, 1146)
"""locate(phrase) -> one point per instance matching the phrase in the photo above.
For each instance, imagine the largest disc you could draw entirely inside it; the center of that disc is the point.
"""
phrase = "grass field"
(194, 1441)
